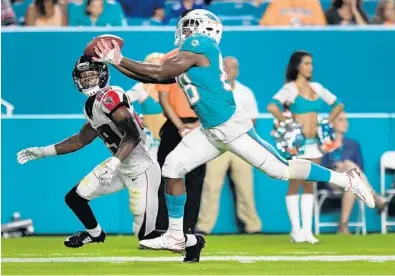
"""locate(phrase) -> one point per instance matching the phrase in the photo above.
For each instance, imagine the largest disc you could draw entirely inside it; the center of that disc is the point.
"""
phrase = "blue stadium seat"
(112, 15)
(326, 4)
(74, 11)
(172, 22)
(261, 9)
(142, 21)
(239, 20)
(234, 9)
(370, 8)
(20, 9)
(168, 6)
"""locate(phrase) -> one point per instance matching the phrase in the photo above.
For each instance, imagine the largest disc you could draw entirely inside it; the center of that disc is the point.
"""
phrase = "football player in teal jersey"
(199, 70)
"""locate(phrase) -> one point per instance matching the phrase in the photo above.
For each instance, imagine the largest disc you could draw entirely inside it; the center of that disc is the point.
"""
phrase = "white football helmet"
(198, 22)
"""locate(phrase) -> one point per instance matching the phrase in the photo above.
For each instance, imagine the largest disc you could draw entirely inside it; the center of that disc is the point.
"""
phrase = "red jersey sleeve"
(113, 99)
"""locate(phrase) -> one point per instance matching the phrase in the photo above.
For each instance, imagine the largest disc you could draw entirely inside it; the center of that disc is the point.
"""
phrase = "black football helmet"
(90, 76)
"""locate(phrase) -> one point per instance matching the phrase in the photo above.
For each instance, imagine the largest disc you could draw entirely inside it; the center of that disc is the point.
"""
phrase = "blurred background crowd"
(161, 12)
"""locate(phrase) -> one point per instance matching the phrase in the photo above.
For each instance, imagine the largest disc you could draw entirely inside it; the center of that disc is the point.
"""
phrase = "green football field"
(231, 255)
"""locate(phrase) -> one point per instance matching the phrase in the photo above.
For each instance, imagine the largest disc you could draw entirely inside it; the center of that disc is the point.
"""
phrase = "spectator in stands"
(182, 6)
(241, 171)
(180, 120)
(293, 13)
(46, 13)
(7, 14)
(154, 9)
(346, 12)
(385, 13)
(304, 99)
(347, 156)
(96, 13)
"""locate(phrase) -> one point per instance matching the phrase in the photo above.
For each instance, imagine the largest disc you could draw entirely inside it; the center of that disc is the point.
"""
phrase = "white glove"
(106, 54)
(29, 154)
(106, 171)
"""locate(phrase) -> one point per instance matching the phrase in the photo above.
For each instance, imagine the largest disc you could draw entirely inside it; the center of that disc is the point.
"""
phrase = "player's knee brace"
(173, 168)
(136, 202)
(137, 207)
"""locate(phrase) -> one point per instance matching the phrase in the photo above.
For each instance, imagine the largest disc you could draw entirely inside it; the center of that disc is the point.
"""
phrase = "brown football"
(90, 48)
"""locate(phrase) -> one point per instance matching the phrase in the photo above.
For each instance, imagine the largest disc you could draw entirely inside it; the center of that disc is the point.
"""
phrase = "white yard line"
(345, 258)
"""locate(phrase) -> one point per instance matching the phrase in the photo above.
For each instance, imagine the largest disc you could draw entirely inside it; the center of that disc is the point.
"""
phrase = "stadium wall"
(356, 65)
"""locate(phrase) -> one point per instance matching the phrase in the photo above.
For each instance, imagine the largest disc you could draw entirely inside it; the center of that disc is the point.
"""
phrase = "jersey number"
(189, 88)
(110, 138)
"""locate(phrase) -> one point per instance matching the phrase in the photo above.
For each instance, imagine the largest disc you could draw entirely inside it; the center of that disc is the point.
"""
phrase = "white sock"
(306, 170)
(306, 205)
(176, 225)
(292, 202)
(95, 232)
(339, 179)
(191, 240)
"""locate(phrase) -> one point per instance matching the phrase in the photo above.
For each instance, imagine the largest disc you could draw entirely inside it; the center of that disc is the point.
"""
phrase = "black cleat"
(192, 254)
(81, 238)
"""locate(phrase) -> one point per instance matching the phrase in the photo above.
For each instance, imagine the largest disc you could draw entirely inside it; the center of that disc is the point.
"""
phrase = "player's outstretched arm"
(86, 135)
(140, 78)
(124, 120)
(159, 73)
(76, 142)
(145, 72)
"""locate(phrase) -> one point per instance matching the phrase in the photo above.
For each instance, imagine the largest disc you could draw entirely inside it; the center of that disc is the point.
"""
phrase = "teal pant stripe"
(319, 173)
(266, 145)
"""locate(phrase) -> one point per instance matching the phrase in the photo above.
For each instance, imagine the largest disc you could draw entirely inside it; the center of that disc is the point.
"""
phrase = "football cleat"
(359, 188)
(168, 241)
(81, 238)
(310, 238)
(192, 254)
(298, 236)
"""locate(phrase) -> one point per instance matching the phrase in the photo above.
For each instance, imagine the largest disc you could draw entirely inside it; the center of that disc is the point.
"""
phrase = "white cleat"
(359, 188)
(298, 236)
(168, 241)
(310, 238)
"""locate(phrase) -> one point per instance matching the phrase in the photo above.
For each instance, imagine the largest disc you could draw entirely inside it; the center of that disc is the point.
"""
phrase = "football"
(90, 48)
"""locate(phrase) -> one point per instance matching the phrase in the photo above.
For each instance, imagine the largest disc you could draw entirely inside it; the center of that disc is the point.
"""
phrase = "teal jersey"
(207, 89)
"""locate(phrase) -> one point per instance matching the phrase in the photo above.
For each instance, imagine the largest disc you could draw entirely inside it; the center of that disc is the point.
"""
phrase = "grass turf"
(219, 246)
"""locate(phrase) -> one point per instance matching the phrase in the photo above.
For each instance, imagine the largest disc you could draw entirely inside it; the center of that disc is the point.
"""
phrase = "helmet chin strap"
(89, 92)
